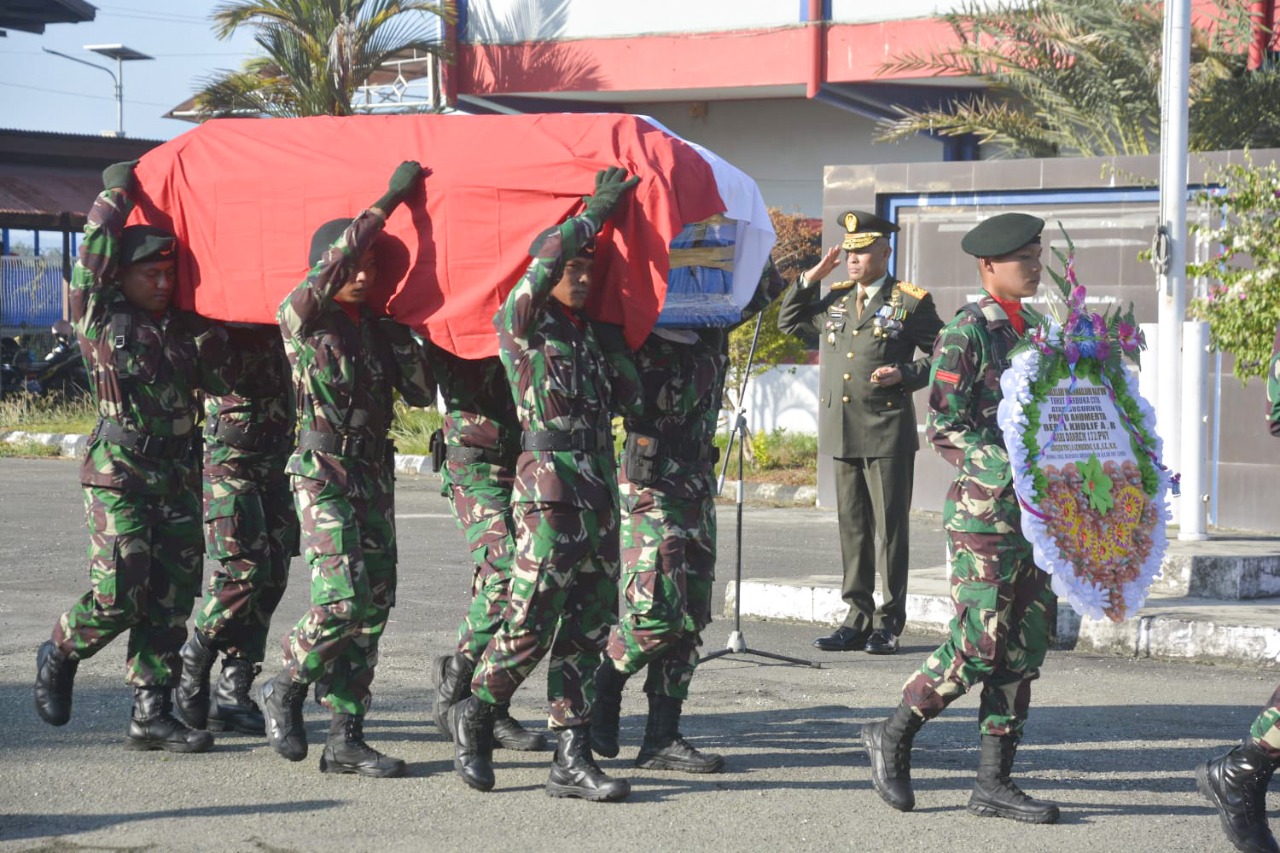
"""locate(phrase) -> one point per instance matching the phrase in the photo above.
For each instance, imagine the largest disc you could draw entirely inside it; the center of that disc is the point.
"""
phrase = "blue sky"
(39, 91)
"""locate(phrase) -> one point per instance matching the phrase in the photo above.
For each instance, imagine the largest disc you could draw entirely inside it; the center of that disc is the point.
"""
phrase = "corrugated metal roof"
(47, 197)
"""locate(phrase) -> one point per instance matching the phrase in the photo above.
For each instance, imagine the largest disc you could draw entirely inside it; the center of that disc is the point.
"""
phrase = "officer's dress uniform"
(344, 370)
(870, 430)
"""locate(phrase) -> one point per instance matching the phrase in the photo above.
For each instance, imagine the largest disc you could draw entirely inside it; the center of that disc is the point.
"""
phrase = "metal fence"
(31, 292)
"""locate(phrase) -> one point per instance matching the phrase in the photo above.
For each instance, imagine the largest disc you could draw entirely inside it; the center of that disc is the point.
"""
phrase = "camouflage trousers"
(480, 495)
(1266, 728)
(564, 597)
(251, 529)
(668, 566)
(999, 635)
(350, 545)
(145, 563)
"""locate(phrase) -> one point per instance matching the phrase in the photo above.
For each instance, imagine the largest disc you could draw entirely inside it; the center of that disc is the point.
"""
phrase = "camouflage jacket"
(143, 369)
(964, 394)
(478, 408)
(344, 371)
(1273, 389)
(559, 377)
(258, 398)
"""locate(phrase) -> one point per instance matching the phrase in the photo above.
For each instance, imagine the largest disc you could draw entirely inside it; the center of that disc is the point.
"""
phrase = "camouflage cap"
(861, 229)
(326, 235)
(1002, 234)
(139, 243)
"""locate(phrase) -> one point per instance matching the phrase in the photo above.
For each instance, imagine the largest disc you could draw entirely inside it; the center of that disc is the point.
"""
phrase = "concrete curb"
(1176, 628)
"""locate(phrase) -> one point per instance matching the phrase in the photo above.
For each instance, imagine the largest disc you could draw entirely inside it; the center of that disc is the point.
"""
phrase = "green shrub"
(411, 428)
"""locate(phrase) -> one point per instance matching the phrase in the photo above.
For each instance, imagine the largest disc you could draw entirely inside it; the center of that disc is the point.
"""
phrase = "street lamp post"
(121, 55)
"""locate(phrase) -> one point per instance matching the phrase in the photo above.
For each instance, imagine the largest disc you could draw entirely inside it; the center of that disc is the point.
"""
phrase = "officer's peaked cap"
(861, 229)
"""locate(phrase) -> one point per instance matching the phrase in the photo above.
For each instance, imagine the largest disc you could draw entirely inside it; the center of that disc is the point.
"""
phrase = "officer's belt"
(143, 443)
(247, 436)
(566, 439)
(472, 455)
(342, 444)
(681, 448)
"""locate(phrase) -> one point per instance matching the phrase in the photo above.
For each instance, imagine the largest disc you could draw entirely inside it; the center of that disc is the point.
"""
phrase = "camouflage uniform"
(1266, 728)
(344, 370)
(140, 470)
(251, 526)
(564, 509)
(480, 424)
(1000, 633)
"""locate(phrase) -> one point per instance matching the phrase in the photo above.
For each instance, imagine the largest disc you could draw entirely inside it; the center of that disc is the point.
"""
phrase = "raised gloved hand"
(403, 180)
(611, 185)
(120, 176)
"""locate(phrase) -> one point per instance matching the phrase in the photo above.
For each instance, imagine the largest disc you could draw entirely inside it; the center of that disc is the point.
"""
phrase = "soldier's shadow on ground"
(17, 827)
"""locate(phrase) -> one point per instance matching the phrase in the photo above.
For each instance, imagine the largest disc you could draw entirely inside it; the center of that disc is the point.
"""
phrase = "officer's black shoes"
(888, 744)
(843, 639)
(882, 642)
(153, 726)
(192, 695)
(282, 701)
(1237, 784)
(346, 751)
(574, 772)
(452, 677)
(232, 708)
(471, 722)
(607, 710)
(994, 795)
(509, 734)
(664, 748)
(55, 675)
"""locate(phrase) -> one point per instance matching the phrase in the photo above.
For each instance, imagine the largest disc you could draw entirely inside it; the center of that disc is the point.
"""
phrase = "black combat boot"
(607, 710)
(995, 796)
(888, 745)
(232, 708)
(471, 722)
(153, 725)
(282, 700)
(509, 734)
(192, 695)
(664, 748)
(346, 751)
(574, 772)
(1237, 784)
(452, 676)
(55, 675)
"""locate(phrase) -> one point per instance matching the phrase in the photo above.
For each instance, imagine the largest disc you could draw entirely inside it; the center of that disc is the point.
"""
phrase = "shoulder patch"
(911, 290)
(842, 285)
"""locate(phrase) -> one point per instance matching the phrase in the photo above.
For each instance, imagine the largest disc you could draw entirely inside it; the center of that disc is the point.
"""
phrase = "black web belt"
(472, 455)
(342, 444)
(566, 439)
(143, 443)
(247, 436)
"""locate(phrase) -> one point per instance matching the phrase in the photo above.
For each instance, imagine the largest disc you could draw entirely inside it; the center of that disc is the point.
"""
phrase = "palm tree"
(316, 52)
(1082, 77)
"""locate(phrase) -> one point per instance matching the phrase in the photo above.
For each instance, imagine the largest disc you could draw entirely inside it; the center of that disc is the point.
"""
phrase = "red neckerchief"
(1013, 309)
(574, 317)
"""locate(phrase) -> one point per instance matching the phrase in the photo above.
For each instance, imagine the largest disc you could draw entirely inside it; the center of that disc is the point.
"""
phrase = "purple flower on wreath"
(1099, 327)
(1040, 340)
(1130, 337)
(1103, 349)
(1072, 350)
(1071, 275)
(1076, 300)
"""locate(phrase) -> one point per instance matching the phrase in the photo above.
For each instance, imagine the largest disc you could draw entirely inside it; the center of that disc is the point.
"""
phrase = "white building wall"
(785, 143)
(784, 397)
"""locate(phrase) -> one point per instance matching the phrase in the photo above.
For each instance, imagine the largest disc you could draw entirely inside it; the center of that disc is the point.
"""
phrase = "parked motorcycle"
(60, 371)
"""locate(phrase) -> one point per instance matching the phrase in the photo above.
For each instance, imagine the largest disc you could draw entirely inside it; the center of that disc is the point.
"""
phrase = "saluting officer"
(870, 328)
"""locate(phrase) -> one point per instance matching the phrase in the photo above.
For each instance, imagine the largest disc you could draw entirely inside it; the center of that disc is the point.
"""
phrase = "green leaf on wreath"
(1097, 485)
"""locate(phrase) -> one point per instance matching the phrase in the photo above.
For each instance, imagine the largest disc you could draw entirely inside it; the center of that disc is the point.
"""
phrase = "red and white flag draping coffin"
(245, 195)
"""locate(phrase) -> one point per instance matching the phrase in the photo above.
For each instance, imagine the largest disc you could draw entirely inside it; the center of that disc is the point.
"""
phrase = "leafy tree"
(798, 248)
(1242, 307)
(1082, 77)
(316, 52)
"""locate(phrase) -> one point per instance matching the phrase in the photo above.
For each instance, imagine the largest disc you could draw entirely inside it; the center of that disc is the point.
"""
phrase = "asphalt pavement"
(1112, 740)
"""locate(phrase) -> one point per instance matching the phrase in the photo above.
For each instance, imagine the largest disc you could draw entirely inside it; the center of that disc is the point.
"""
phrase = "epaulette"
(911, 290)
(842, 285)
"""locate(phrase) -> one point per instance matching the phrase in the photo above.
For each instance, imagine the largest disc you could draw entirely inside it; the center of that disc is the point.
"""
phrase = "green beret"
(1002, 234)
(861, 229)
(326, 235)
(140, 243)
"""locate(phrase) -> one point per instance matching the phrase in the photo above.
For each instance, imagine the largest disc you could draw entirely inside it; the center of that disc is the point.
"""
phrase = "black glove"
(120, 176)
(403, 180)
(611, 185)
